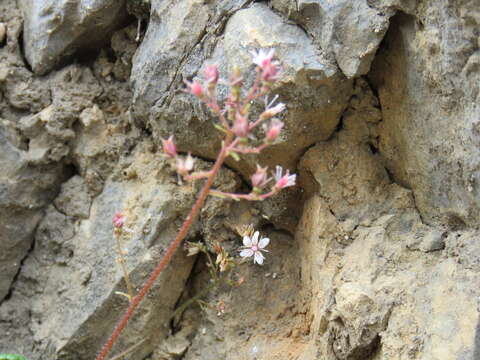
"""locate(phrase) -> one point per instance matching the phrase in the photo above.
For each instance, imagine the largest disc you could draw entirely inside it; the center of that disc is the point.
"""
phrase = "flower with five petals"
(253, 247)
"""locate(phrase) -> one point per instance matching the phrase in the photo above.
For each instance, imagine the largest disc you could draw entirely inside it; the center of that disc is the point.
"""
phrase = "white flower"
(262, 58)
(283, 181)
(253, 247)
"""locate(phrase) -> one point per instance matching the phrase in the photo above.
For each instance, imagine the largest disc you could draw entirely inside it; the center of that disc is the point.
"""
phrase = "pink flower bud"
(195, 88)
(211, 74)
(118, 220)
(283, 181)
(260, 179)
(240, 127)
(274, 130)
(169, 147)
(270, 69)
(271, 72)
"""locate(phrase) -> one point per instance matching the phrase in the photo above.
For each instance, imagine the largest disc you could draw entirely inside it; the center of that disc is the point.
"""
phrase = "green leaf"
(219, 128)
(235, 157)
(11, 357)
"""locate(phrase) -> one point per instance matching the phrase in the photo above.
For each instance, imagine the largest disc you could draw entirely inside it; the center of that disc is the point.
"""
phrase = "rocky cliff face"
(374, 255)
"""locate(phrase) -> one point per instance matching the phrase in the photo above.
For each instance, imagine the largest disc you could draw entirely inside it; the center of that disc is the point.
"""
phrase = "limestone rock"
(374, 295)
(74, 199)
(81, 277)
(347, 31)
(428, 90)
(56, 30)
(25, 190)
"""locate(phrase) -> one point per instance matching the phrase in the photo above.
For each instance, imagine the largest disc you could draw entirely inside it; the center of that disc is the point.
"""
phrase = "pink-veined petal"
(263, 242)
(246, 253)
(258, 258)
(247, 241)
(255, 238)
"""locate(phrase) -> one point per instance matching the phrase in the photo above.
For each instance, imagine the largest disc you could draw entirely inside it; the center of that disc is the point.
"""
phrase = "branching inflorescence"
(239, 131)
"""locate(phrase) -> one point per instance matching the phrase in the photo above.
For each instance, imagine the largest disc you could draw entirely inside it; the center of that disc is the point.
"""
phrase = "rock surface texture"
(373, 256)
(54, 30)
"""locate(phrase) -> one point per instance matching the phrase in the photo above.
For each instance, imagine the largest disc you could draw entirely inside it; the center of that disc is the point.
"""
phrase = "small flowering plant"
(239, 127)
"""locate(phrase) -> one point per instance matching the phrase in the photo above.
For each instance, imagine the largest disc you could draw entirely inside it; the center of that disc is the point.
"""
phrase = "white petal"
(247, 241)
(291, 180)
(255, 238)
(258, 258)
(263, 242)
(278, 172)
(246, 253)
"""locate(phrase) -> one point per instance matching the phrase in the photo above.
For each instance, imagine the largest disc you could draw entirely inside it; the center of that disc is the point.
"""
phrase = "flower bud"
(169, 147)
(259, 179)
(195, 88)
(240, 126)
(271, 112)
(274, 130)
(271, 72)
(118, 220)
(211, 74)
(283, 180)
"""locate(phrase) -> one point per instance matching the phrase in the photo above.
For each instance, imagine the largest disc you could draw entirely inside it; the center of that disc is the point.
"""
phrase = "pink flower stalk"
(260, 179)
(211, 74)
(169, 147)
(241, 125)
(119, 220)
(184, 166)
(283, 181)
(253, 247)
(195, 88)
(274, 130)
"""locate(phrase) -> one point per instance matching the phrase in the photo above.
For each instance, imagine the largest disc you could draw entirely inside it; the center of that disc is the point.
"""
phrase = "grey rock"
(47, 131)
(426, 240)
(433, 241)
(55, 30)
(23, 92)
(429, 95)
(74, 199)
(380, 299)
(80, 271)
(24, 190)
(347, 31)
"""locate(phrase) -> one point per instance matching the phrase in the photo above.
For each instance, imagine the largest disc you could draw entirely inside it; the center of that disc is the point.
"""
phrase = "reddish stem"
(252, 94)
(250, 150)
(169, 253)
(198, 175)
(250, 197)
